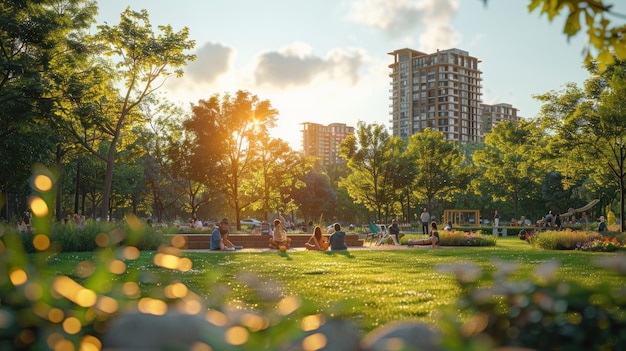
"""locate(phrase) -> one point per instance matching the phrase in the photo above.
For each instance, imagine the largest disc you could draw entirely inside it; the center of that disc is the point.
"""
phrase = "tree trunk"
(77, 188)
(59, 181)
(621, 204)
(108, 179)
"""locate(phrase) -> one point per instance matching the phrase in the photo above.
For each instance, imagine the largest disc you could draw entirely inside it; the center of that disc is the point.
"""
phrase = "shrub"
(76, 238)
(550, 314)
(460, 238)
(559, 240)
(575, 240)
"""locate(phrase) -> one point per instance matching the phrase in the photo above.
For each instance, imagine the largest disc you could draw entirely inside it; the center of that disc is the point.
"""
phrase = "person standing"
(496, 219)
(425, 218)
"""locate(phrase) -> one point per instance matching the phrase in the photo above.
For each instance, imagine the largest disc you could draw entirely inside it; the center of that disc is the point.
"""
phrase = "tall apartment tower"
(440, 91)
(324, 141)
(494, 114)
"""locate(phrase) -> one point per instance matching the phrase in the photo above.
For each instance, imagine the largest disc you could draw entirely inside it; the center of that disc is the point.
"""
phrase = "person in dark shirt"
(394, 231)
(602, 224)
(338, 239)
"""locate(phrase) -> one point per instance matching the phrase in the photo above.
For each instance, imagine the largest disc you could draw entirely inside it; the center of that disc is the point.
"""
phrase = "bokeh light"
(314, 342)
(90, 343)
(42, 183)
(72, 325)
(312, 322)
(131, 289)
(41, 242)
(176, 290)
(131, 253)
(117, 267)
(107, 304)
(288, 305)
(39, 206)
(18, 276)
(216, 317)
(236, 335)
(149, 305)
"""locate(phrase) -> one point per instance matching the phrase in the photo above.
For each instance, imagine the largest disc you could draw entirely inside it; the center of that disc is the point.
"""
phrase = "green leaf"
(604, 59)
(620, 49)
(572, 25)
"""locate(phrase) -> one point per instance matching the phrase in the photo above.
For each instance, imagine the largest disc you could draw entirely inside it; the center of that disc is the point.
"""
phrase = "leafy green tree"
(370, 154)
(226, 133)
(34, 36)
(317, 197)
(279, 169)
(511, 163)
(438, 164)
(593, 122)
(160, 137)
(142, 59)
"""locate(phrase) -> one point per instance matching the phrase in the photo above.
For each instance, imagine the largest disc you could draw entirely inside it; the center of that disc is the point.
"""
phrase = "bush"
(76, 238)
(460, 238)
(575, 240)
(550, 314)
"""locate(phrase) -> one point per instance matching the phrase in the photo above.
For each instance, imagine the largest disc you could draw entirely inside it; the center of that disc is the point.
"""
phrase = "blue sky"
(326, 61)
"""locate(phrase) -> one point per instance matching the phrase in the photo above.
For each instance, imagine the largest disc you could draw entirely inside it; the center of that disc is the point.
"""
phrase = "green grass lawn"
(369, 287)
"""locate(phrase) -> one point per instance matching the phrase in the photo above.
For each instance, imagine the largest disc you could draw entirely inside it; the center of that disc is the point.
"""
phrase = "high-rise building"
(324, 141)
(494, 114)
(440, 91)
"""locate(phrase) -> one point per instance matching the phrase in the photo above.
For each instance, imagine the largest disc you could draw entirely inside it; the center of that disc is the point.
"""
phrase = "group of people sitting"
(336, 241)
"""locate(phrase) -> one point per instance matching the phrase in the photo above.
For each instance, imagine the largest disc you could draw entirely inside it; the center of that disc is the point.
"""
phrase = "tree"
(593, 122)
(438, 163)
(317, 197)
(370, 154)
(226, 131)
(143, 60)
(35, 37)
(159, 138)
(510, 162)
(279, 169)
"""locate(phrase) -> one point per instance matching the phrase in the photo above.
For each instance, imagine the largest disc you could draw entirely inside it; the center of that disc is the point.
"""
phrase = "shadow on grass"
(346, 253)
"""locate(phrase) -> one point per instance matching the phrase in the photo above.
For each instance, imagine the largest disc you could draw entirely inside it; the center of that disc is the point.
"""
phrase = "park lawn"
(369, 287)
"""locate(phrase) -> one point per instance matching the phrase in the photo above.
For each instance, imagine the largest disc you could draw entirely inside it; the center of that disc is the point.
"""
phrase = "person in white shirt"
(425, 218)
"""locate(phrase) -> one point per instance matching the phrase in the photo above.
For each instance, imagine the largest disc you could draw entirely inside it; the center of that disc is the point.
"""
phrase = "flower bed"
(577, 240)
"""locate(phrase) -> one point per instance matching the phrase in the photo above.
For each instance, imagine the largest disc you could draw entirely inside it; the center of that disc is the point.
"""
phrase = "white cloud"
(296, 65)
(213, 60)
(402, 19)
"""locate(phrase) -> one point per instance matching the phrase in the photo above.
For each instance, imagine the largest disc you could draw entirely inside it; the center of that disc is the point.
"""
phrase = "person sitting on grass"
(317, 241)
(433, 239)
(219, 237)
(280, 234)
(338, 238)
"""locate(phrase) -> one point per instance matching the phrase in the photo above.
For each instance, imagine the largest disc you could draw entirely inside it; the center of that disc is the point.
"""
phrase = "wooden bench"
(252, 241)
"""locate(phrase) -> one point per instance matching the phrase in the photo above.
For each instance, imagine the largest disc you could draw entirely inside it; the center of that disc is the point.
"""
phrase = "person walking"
(425, 218)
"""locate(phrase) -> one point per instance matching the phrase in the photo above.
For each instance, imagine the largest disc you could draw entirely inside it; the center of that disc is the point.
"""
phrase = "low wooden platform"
(202, 241)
